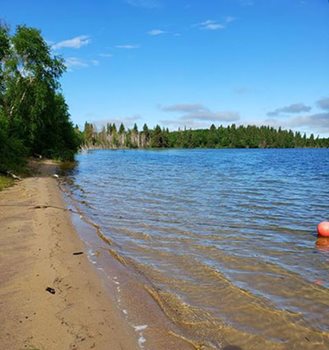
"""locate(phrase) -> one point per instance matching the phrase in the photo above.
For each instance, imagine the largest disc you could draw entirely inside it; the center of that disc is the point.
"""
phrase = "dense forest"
(215, 137)
(34, 117)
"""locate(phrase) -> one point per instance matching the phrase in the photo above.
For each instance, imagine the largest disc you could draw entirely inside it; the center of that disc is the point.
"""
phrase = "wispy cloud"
(128, 46)
(323, 103)
(193, 112)
(156, 32)
(215, 25)
(74, 62)
(149, 4)
(210, 25)
(77, 63)
(318, 122)
(74, 43)
(294, 108)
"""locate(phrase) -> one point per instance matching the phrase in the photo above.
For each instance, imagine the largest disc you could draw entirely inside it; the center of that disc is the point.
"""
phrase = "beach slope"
(37, 246)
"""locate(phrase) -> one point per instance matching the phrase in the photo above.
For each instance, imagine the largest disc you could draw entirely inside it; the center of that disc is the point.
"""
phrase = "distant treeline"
(215, 137)
(34, 117)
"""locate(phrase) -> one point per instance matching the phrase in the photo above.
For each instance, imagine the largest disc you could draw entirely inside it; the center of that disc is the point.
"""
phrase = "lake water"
(226, 238)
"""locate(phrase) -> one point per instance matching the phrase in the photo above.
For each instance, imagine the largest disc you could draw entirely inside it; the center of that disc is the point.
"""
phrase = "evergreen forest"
(231, 136)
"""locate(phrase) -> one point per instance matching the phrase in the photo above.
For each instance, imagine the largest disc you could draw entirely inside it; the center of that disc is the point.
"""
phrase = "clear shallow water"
(226, 238)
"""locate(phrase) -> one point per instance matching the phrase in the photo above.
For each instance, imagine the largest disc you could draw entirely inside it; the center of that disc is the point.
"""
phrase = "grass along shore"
(5, 182)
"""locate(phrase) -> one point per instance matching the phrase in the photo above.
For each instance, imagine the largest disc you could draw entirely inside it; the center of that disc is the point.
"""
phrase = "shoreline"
(129, 289)
(38, 244)
(98, 303)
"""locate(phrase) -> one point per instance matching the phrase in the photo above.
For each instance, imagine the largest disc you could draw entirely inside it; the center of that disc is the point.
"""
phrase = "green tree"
(145, 136)
(157, 138)
(121, 129)
(32, 109)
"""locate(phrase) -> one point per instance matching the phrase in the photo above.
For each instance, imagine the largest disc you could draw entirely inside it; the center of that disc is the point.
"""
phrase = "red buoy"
(323, 229)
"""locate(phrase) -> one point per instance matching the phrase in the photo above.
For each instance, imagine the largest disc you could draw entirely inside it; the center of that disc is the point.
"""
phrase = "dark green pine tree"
(157, 139)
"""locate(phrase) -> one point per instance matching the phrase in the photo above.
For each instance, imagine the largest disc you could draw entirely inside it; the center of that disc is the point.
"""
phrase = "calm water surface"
(226, 238)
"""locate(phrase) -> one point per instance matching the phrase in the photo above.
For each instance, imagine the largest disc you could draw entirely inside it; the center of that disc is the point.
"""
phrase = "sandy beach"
(51, 295)
(38, 244)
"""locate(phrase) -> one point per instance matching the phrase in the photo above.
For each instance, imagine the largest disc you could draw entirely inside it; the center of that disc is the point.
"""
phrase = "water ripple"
(225, 236)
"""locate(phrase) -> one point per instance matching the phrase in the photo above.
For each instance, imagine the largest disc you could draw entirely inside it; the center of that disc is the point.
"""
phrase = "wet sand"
(38, 243)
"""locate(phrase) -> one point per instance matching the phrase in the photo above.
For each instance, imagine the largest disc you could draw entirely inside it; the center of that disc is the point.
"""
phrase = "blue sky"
(187, 62)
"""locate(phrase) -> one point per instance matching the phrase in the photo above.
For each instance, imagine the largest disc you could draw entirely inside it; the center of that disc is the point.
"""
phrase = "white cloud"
(74, 43)
(294, 108)
(193, 112)
(210, 25)
(156, 32)
(317, 122)
(215, 25)
(323, 103)
(74, 62)
(128, 46)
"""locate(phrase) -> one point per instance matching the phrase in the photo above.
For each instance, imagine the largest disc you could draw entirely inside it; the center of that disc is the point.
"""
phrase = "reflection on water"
(322, 244)
(225, 238)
